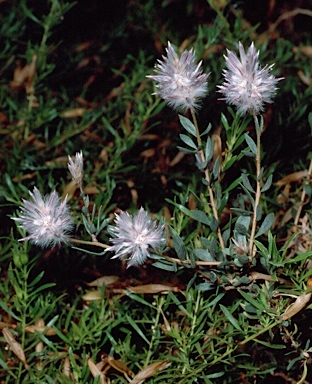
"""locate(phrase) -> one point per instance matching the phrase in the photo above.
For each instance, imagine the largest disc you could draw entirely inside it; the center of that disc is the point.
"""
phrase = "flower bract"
(46, 219)
(134, 236)
(247, 85)
(179, 80)
(75, 167)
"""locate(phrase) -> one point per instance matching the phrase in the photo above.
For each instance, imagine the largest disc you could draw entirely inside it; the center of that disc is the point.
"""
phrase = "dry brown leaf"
(48, 331)
(305, 79)
(92, 190)
(24, 76)
(296, 176)
(177, 158)
(149, 371)
(148, 153)
(104, 280)
(91, 296)
(119, 366)
(217, 146)
(95, 371)
(307, 50)
(66, 367)
(297, 306)
(15, 346)
(153, 288)
(69, 190)
(75, 112)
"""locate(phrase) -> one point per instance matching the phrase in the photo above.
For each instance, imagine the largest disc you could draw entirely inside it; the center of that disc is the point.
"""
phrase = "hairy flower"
(179, 80)
(47, 219)
(76, 168)
(134, 235)
(247, 85)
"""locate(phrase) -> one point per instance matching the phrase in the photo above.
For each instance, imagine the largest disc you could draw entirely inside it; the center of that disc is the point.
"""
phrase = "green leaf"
(136, 328)
(230, 317)
(216, 168)
(251, 144)
(196, 215)
(207, 130)
(246, 183)
(204, 287)
(186, 151)
(267, 184)
(209, 148)
(256, 304)
(188, 141)
(187, 125)
(266, 224)
(203, 254)
(165, 267)
(178, 245)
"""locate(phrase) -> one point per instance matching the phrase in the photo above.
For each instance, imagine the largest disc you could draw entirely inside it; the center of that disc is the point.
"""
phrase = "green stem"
(208, 179)
(96, 243)
(154, 331)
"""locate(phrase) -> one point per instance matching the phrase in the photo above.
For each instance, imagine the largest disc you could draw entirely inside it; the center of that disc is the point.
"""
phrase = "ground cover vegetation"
(155, 192)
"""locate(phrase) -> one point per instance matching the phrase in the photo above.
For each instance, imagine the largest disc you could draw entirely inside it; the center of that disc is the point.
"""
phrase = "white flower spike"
(180, 81)
(134, 235)
(247, 85)
(47, 219)
(75, 167)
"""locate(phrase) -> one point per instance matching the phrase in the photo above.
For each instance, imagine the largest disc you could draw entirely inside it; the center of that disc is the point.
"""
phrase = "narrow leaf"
(246, 183)
(187, 125)
(251, 144)
(188, 141)
(266, 224)
(267, 184)
(230, 317)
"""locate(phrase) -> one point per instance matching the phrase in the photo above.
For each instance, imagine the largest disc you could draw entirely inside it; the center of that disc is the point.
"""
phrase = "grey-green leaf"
(251, 144)
(187, 125)
(266, 224)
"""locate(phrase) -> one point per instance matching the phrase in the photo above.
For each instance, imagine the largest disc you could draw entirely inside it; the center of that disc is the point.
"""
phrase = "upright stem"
(258, 189)
(208, 179)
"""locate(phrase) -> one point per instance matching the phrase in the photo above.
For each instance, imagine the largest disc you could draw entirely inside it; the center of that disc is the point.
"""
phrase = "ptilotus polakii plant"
(180, 81)
(247, 86)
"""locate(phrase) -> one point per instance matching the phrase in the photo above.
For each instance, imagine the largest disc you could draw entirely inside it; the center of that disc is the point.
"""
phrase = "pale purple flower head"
(75, 167)
(180, 81)
(247, 85)
(134, 235)
(47, 219)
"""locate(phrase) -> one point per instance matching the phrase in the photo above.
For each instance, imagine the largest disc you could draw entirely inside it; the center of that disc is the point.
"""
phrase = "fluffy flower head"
(75, 167)
(247, 85)
(47, 219)
(179, 80)
(134, 235)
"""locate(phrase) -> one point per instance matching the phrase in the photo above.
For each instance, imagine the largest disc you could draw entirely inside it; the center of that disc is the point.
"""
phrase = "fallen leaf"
(95, 371)
(23, 77)
(296, 176)
(153, 288)
(307, 50)
(48, 331)
(119, 366)
(104, 280)
(75, 112)
(297, 306)
(149, 371)
(91, 296)
(304, 78)
(15, 346)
